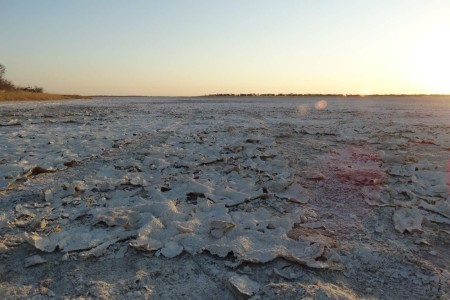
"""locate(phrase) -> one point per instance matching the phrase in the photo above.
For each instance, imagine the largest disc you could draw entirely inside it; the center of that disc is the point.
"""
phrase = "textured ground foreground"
(220, 199)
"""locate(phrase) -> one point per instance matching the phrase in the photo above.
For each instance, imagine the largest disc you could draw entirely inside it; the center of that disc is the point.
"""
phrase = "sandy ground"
(259, 198)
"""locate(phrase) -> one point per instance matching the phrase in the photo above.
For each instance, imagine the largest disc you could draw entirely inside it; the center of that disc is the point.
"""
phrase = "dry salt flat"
(226, 198)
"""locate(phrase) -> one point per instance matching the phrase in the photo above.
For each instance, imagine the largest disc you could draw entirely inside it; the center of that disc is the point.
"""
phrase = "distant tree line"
(7, 85)
(317, 95)
(272, 95)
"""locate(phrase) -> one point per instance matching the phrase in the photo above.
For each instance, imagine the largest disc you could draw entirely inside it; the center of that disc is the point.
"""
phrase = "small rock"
(184, 229)
(79, 186)
(3, 184)
(48, 195)
(39, 170)
(42, 225)
(408, 219)
(13, 122)
(271, 226)
(138, 181)
(278, 186)
(422, 242)
(244, 284)
(71, 163)
(219, 228)
(285, 275)
(34, 261)
(379, 228)
(233, 265)
(171, 249)
(103, 187)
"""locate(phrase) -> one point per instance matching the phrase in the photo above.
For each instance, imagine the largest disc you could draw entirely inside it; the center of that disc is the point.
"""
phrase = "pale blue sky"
(202, 47)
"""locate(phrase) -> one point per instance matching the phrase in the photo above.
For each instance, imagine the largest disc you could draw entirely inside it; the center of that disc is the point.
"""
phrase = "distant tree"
(38, 89)
(2, 70)
(4, 84)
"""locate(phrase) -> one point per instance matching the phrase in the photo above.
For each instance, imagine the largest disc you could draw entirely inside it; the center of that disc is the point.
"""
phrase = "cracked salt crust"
(220, 178)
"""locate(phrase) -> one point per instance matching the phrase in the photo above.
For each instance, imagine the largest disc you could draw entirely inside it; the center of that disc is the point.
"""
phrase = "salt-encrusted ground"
(226, 198)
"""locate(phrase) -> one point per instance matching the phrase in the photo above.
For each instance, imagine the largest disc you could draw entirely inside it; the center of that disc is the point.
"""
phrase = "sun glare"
(430, 61)
(365, 92)
(322, 104)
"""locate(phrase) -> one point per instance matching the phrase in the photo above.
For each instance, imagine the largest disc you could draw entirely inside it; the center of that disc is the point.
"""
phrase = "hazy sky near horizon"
(203, 47)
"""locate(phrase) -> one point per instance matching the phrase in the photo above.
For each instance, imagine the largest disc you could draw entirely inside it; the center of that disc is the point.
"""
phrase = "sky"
(187, 48)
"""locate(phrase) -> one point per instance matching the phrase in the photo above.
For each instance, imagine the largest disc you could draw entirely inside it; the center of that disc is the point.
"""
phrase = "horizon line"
(283, 95)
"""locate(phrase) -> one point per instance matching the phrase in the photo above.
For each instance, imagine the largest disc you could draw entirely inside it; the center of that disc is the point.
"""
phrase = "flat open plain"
(226, 198)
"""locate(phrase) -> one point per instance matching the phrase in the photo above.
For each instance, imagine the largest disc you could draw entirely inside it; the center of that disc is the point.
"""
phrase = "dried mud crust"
(233, 200)
(366, 194)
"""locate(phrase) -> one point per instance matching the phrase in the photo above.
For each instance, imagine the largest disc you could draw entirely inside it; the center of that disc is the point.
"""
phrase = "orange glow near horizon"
(430, 60)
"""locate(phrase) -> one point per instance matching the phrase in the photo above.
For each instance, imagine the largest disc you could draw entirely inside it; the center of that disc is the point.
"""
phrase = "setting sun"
(430, 60)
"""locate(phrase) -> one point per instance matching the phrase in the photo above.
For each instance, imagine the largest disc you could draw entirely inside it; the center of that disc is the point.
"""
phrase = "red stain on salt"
(363, 176)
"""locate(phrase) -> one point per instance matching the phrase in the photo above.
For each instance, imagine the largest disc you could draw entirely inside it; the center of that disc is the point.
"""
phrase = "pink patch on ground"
(363, 176)
(350, 177)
